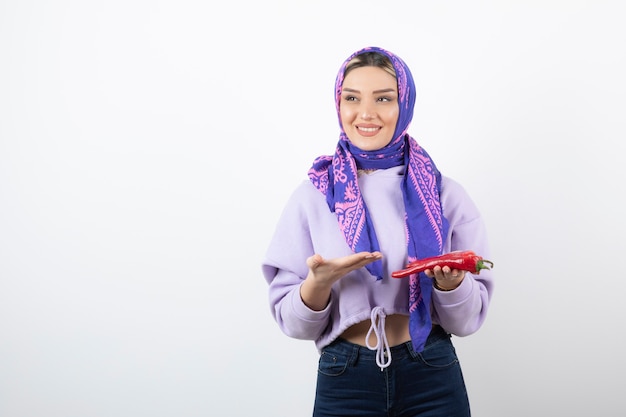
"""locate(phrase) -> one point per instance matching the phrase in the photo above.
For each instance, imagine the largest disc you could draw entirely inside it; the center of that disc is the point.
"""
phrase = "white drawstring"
(382, 346)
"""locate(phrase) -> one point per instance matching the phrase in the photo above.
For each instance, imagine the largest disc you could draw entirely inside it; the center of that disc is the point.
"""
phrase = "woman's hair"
(370, 59)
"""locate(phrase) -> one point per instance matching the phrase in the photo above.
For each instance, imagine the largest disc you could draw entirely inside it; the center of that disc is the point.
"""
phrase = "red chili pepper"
(462, 260)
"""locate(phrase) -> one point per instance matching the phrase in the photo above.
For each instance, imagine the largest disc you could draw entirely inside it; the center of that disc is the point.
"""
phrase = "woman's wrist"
(440, 288)
(313, 295)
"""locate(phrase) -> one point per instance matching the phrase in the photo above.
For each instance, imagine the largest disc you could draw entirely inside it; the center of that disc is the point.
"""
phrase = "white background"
(147, 149)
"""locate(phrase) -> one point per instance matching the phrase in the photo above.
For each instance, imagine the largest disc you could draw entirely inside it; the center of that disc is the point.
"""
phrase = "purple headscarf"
(426, 227)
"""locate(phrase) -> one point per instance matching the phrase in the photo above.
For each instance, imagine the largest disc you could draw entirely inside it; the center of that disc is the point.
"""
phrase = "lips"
(368, 130)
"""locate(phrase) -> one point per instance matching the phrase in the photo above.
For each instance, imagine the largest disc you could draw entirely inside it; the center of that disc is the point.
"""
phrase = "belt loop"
(354, 357)
(409, 348)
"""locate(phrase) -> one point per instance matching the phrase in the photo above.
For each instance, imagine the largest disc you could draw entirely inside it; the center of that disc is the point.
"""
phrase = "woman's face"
(369, 107)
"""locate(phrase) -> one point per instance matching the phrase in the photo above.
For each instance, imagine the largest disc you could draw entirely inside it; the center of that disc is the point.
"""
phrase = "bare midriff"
(396, 329)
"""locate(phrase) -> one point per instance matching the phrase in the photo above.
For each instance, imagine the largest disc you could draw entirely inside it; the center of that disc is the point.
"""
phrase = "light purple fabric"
(306, 226)
(426, 227)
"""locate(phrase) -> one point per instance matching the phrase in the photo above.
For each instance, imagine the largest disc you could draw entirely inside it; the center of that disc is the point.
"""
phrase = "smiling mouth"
(368, 129)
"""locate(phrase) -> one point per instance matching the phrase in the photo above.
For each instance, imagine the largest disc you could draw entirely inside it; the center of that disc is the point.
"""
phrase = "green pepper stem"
(482, 264)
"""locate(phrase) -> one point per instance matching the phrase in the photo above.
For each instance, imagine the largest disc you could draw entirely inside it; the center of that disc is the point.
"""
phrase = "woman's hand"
(323, 273)
(446, 279)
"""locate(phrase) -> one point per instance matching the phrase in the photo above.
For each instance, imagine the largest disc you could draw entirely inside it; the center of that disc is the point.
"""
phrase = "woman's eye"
(384, 98)
(350, 98)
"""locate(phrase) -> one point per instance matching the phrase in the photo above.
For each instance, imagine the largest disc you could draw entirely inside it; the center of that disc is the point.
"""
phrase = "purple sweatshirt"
(307, 227)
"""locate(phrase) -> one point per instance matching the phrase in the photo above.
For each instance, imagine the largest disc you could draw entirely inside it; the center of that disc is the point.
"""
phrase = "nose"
(367, 111)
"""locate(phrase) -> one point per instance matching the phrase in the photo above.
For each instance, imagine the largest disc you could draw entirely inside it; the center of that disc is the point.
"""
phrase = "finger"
(368, 255)
(363, 258)
(438, 273)
(458, 273)
(314, 261)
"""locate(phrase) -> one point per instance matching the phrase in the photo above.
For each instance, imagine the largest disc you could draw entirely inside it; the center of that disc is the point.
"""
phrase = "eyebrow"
(385, 90)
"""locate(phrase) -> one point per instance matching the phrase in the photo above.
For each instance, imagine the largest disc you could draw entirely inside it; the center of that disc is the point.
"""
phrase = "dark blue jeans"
(426, 384)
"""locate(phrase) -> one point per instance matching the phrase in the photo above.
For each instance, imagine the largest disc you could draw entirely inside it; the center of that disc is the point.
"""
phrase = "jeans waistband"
(397, 352)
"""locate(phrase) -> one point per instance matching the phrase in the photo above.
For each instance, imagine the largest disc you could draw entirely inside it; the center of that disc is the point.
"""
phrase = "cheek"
(346, 115)
(392, 116)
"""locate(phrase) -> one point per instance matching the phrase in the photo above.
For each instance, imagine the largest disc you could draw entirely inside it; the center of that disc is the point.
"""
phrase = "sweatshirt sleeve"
(463, 310)
(284, 267)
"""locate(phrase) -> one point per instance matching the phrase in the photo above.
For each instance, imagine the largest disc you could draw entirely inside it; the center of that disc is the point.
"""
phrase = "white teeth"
(368, 129)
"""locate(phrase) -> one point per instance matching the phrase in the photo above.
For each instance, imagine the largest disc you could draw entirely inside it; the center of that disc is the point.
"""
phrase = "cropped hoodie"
(307, 227)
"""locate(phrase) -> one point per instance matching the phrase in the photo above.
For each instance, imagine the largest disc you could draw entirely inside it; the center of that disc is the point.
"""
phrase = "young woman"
(371, 208)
